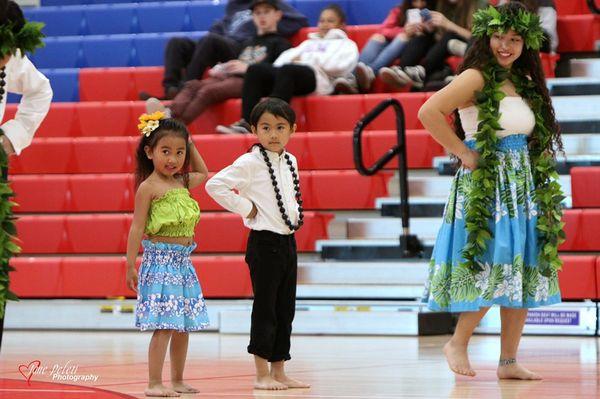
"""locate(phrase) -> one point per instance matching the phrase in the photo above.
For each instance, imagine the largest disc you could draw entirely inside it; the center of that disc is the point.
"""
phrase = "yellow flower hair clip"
(149, 122)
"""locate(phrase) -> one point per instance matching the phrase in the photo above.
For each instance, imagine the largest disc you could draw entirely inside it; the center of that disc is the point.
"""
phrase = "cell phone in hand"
(425, 14)
(413, 16)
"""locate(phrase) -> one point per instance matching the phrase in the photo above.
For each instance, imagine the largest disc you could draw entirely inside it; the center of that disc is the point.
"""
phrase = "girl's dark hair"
(273, 106)
(166, 127)
(337, 10)
(479, 55)
(11, 12)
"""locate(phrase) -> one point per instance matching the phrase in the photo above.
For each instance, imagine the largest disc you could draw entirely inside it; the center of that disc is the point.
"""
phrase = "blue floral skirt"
(510, 275)
(169, 293)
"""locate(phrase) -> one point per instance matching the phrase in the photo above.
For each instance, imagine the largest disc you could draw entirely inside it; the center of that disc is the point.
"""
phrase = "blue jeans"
(378, 55)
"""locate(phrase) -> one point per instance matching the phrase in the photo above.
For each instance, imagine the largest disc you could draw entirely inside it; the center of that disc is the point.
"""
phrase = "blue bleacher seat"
(361, 12)
(108, 51)
(108, 19)
(65, 84)
(160, 17)
(59, 21)
(204, 14)
(59, 52)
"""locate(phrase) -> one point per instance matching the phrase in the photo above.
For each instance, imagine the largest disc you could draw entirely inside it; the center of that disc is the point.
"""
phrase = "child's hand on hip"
(252, 213)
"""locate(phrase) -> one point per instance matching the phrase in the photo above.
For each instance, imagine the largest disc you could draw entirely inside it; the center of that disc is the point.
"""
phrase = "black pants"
(186, 60)
(273, 265)
(435, 52)
(265, 80)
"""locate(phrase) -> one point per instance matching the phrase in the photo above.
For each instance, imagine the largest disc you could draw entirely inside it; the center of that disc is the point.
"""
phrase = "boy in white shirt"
(268, 199)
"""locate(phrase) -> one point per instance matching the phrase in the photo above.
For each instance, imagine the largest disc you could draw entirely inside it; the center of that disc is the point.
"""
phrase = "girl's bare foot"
(290, 382)
(179, 386)
(515, 371)
(458, 359)
(161, 391)
(269, 383)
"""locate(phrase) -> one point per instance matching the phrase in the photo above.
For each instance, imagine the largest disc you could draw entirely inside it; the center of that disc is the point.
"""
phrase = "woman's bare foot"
(161, 391)
(290, 382)
(515, 371)
(458, 359)
(269, 383)
(179, 386)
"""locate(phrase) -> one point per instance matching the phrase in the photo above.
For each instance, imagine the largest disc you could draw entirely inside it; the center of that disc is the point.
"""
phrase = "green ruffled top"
(175, 214)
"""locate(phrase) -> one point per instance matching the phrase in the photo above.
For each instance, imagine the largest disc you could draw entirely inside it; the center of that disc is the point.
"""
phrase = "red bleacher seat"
(93, 84)
(578, 33)
(107, 233)
(582, 230)
(411, 102)
(333, 112)
(585, 187)
(571, 7)
(109, 118)
(101, 277)
(115, 192)
(578, 278)
(59, 122)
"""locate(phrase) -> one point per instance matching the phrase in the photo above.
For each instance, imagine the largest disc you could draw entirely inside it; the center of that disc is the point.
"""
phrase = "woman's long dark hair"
(166, 127)
(480, 55)
(11, 12)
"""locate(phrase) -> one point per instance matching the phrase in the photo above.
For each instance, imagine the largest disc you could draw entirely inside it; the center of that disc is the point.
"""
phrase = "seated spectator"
(309, 68)
(186, 60)
(227, 79)
(402, 23)
(425, 54)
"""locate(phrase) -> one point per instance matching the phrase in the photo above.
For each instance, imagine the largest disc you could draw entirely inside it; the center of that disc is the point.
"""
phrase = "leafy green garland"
(27, 39)
(548, 194)
(8, 232)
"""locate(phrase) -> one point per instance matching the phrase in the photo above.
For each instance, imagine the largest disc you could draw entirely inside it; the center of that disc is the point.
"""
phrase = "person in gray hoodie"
(187, 60)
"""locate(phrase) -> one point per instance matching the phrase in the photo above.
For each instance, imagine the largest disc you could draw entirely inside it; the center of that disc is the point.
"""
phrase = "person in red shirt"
(402, 23)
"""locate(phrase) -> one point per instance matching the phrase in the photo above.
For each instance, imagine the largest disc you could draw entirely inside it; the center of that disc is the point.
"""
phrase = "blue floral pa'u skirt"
(169, 293)
(510, 275)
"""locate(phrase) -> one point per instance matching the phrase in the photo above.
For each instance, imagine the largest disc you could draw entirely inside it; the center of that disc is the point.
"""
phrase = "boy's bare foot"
(161, 391)
(180, 387)
(516, 372)
(290, 382)
(269, 383)
(458, 359)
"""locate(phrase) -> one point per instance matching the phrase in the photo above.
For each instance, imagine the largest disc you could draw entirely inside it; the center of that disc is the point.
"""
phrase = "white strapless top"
(515, 118)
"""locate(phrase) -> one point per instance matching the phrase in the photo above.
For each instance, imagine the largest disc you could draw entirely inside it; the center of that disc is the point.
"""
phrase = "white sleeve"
(289, 55)
(234, 177)
(23, 78)
(342, 60)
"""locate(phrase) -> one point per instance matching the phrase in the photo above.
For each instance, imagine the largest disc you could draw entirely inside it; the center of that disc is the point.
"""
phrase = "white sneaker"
(364, 77)
(345, 85)
(393, 76)
(153, 105)
(414, 74)
(457, 47)
(239, 127)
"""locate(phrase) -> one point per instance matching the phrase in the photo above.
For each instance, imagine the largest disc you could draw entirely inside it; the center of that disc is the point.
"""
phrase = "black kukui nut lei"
(278, 196)
(2, 82)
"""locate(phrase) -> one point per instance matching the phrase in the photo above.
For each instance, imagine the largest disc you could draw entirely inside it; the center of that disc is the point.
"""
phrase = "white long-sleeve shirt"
(250, 177)
(331, 57)
(23, 78)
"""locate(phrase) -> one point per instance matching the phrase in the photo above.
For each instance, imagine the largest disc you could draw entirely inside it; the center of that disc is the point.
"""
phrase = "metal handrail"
(409, 243)
(593, 6)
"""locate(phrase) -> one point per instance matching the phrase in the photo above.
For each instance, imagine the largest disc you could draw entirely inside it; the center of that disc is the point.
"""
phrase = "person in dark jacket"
(186, 60)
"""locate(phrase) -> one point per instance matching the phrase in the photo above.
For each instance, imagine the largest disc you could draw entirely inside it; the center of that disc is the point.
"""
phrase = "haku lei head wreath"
(488, 21)
(16, 33)
(149, 122)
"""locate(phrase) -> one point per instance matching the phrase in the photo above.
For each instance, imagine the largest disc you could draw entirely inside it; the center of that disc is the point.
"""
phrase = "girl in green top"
(169, 299)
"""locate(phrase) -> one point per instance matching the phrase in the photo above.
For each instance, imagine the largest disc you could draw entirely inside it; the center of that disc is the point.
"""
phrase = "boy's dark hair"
(166, 127)
(11, 12)
(274, 106)
(337, 9)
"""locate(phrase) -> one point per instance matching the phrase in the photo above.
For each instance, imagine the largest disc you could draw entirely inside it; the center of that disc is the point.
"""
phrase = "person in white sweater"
(309, 68)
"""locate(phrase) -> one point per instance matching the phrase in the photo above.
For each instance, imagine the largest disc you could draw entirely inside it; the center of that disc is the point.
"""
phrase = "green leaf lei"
(8, 232)
(548, 194)
(27, 39)
(526, 24)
